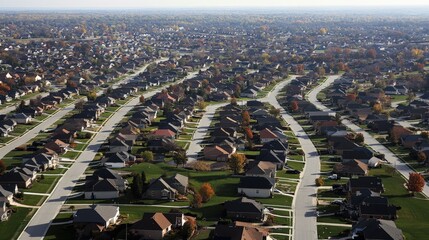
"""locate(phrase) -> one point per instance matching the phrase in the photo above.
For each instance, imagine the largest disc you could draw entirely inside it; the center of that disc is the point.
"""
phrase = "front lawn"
(44, 186)
(11, 228)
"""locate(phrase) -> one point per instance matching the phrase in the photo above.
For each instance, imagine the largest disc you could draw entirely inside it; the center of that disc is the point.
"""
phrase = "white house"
(256, 186)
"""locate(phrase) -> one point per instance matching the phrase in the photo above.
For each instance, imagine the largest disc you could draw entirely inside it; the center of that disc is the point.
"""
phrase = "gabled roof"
(267, 133)
(98, 214)
(245, 205)
(152, 221)
(377, 229)
(257, 182)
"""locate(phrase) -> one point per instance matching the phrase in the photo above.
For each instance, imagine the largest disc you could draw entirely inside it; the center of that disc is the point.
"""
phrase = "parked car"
(334, 177)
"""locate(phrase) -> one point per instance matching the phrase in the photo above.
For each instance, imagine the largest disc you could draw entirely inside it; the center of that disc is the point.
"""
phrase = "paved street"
(304, 202)
(369, 140)
(39, 224)
(203, 125)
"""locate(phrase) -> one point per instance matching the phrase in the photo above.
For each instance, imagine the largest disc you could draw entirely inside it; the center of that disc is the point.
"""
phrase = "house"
(164, 133)
(118, 145)
(93, 220)
(101, 189)
(249, 93)
(360, 153)
(351, 168)
(160, 188)
(245, 209)
(256, 186)
(261, 168)
(239, 231)
(22, 118)
(216, 153)
(376, 229)
(58, 146)
(178, 182)
(118, 159)
(408, 141)
(6, 195)
(106, 173)
(14, 176)
(377, 207)
(367, 182)
(160, 145)
(267, 135)
(276, 157)
(154, 226)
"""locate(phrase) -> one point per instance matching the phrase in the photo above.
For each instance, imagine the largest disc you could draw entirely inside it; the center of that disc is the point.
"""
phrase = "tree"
(425, 134)
(351, 97)
(197, 201)
(79, 105)
(416, 182)
(246, 118)
(2, 166)
(206, 191)
(372, 53)
(359, 138)
(249, 133)
(21, 104)
(323, 31)
(377, 107)
(147, 156)
(179, 157)
(320, 182)
(137, 186)
(188, 229)
(141, 99)
(294, 106)
(201, 105)
(233, 101)
(92, 95)
(237, 162)
(421, 157)
(275, 111)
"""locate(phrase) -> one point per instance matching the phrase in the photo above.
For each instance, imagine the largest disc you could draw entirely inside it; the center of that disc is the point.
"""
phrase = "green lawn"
(33, 200)
(412, 218)
(324, 232)
(44, 186)
(11, 228)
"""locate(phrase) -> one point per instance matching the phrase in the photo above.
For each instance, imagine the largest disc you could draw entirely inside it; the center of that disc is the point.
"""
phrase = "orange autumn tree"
(246, 118)
(237, 162)
(206, 192)
(294, 106)
(249, 133)
(416, 182)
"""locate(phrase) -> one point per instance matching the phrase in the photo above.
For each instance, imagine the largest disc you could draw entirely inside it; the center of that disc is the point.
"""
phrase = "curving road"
(401, 167)
(42, 219)
(304, 202)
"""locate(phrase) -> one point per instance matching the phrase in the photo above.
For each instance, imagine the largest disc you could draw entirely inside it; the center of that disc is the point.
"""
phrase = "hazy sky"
(127, 4)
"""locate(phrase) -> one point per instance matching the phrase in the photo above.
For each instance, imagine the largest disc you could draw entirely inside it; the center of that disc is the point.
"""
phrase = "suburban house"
(245, 209)
(256, 186)
(216, 153)
(118, 159)
(89, 222)
(367, 182)
(160, 188)
(351, 168)
(22, 118)
(267, 135)
(101, 189)
(261, 168)
(376, 229)
(155, 226)
(239, 231)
